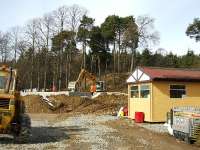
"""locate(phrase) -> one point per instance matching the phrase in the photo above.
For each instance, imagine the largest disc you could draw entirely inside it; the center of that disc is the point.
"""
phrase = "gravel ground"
(93, 131)
(44, 136)
(79, 132)
(155, 127)
(160, 128)
(134, 137)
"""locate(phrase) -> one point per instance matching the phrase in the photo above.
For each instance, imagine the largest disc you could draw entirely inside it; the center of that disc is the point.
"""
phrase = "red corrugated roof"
(171, 73)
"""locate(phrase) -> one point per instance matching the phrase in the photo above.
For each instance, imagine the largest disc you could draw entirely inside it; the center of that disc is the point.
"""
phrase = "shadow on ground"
(48, 134)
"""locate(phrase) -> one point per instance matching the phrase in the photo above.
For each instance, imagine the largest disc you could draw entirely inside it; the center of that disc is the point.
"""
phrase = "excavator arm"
(83, 75)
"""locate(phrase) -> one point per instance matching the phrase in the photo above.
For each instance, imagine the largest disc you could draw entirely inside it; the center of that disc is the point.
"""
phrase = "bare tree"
(32, 33)
(75, 14)
(22, 47)
(4, 46)
(147, 34)
(45, 26)
(60, 15)
(15, 37)
(130, 39)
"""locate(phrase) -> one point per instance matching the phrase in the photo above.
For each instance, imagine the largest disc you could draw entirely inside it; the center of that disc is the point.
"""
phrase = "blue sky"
(171, 16)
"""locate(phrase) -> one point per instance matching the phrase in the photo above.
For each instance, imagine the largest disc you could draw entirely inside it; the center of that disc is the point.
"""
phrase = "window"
(177, 91)
(134, 92)
(3, 80)
(144, 91)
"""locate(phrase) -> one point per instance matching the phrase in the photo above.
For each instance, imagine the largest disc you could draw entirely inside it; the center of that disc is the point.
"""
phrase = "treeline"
(144, 58)
(161, 58)
(51, 50)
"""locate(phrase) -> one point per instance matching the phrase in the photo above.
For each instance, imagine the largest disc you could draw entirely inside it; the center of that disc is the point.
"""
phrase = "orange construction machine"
(89, 79)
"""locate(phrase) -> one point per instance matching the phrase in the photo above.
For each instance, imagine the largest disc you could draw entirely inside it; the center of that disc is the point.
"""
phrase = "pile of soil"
(34, 104)
(102, 104)
(116, 82)
(105, 104)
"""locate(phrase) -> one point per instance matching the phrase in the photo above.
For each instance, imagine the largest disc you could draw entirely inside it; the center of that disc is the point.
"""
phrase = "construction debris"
(185, 123)
(64, 104)
(52, 103)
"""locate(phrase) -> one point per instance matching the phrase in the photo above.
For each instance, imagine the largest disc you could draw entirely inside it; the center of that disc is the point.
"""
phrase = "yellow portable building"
(154, 91)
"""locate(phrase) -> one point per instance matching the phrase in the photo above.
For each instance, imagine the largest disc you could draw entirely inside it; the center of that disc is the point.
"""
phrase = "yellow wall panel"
(159, 103)
(162, 103)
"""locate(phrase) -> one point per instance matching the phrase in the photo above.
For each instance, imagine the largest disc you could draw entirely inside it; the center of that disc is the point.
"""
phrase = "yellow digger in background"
(88, 78)
(13, 119)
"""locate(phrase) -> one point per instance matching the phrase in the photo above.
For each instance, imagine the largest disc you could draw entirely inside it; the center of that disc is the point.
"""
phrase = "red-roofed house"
(155, 91)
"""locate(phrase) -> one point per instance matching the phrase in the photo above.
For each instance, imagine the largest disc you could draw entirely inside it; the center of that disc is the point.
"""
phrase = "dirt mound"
(75, 104)
(34, 104)
(105, 104)
(116, 82)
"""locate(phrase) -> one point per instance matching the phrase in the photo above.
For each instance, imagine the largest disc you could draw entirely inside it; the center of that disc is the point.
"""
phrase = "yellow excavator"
(13, 119)
(88, 78)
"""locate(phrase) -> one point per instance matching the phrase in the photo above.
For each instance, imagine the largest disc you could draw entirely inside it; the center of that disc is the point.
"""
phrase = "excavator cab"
(100, 86)
(13, 119)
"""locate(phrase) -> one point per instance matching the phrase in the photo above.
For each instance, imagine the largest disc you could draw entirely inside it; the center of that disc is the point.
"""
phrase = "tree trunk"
(84, 59)
(45, 80)
(99, 67)
(32, 64)
(91, 64)
(82, 63)
(69, 65)
(114, 64)
(53, 83)
(66, 76)
(38, 75)
(55, 71)
(132, 60)
(84, 55)
(125, 60)
(57, 74)
(46, 56)
(67, 70)
(60, 77)
(45, 70)
(60, 68)
(119, 41)
(114, 58)
(15, 55)
(106, 67)
(38, 81)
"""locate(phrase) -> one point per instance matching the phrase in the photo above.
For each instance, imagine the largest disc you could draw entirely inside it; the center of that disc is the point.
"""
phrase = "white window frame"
(145, 89)
(135, 90)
